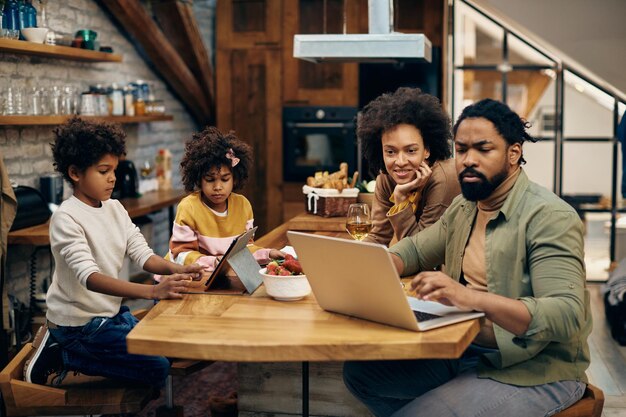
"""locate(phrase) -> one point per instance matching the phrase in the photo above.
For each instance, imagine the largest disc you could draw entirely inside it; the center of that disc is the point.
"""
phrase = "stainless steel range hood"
(381, 44)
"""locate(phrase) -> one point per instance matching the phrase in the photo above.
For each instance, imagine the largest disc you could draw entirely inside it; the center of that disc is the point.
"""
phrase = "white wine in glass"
(358, 221)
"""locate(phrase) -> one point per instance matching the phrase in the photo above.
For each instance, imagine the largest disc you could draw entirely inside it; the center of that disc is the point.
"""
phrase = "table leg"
(305, 389)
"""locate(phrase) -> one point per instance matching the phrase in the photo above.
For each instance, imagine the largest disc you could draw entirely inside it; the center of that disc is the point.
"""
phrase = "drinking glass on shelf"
(358, 221)
(35, 97)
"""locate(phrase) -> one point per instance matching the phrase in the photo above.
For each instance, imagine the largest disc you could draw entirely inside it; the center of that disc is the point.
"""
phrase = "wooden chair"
(77, 395)
(590, 405)
(179, 367)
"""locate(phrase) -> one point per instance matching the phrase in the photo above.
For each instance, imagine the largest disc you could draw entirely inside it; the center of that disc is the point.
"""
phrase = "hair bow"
(231, 155)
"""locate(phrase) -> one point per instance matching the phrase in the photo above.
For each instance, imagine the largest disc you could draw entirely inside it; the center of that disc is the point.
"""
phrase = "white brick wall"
(26, 150)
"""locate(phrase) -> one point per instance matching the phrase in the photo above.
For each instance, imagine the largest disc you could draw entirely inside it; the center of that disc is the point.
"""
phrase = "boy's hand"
(171, 286)
(194, 271)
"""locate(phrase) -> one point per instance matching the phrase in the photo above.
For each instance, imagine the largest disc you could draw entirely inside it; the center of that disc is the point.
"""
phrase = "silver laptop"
(359, 279)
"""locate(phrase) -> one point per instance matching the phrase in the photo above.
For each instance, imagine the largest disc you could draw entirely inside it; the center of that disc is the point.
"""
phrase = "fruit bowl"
(36, 35)
(287, 287)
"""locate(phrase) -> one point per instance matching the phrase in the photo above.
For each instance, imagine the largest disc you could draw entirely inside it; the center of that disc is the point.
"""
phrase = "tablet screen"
(237, 244)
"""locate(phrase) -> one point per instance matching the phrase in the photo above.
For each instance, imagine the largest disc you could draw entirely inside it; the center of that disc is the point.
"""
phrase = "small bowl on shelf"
(285, 287)
(35, 35)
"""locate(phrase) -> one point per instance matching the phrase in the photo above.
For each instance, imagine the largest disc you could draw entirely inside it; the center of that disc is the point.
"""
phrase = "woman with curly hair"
(406, 141)
(208, 219)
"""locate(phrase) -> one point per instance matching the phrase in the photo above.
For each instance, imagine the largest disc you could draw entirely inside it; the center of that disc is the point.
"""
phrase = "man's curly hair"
(207, 150)
(405, 106)
(510, 126)
(83, 143)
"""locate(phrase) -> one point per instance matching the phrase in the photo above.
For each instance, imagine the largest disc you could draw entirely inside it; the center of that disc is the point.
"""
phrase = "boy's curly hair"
(405, 106)
(207, 150)
(83, 143)
(508, 123)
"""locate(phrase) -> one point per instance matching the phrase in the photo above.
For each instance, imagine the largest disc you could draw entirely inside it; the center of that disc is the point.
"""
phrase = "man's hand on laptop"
(437, 286)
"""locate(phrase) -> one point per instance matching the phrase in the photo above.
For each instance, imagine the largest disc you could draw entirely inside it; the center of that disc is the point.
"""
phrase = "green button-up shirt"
(533, 253)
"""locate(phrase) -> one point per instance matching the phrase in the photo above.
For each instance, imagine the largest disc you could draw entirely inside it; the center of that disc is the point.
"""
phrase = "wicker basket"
(329, 202)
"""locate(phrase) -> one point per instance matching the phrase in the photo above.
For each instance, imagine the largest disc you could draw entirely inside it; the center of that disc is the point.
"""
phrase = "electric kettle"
(127, 180)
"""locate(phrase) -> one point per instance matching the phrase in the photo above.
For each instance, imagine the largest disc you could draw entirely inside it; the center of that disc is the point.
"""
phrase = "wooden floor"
(608, 360)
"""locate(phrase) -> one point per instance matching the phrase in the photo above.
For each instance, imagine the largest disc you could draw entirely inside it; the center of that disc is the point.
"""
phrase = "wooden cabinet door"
(248, 89)
(421, 16)
(248, 23)
(324, 84)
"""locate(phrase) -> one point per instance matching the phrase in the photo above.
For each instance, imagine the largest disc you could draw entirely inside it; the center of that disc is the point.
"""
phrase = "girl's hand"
(171, 286)
(437, 286)
(276, 254)
(422, 174)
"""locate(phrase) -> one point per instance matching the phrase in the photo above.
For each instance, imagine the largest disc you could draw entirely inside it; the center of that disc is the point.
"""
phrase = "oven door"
(317, 146)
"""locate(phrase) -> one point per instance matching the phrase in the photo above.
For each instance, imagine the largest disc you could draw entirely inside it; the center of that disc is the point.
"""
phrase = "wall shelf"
(57, 120)
(55, 51)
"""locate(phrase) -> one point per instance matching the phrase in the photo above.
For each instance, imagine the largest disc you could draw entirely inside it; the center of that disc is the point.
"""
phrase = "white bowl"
(285, 288)
(36, 35)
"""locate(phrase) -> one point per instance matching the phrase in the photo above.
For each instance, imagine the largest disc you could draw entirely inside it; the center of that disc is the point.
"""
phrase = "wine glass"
(146, 169)
(358, 221)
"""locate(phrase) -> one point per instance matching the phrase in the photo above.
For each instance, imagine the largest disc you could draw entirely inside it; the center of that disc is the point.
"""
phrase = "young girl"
(90, 234)
(208, 219)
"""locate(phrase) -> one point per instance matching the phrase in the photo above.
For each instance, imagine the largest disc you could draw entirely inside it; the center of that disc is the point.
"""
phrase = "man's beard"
(477, 191)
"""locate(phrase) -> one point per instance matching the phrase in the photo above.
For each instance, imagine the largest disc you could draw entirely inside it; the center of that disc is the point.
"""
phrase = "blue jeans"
(99, 349)
(451, 387)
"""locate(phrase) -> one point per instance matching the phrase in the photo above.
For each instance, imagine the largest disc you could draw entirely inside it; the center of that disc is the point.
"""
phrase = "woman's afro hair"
(405, 106)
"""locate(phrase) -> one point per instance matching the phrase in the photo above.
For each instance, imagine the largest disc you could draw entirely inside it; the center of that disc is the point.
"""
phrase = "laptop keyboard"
(422, 316)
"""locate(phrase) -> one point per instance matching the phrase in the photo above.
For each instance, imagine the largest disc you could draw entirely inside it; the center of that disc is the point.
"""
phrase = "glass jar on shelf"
(129, 101)
(116, 98)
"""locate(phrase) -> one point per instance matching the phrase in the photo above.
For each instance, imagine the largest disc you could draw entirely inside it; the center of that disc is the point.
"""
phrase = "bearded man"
(513, 250)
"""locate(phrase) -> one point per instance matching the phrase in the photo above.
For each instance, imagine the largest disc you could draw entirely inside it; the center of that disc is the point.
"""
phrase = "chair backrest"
(590, 405)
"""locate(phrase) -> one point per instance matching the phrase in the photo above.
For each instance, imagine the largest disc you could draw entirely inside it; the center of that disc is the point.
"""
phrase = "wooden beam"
(136, 20)
(178, 22)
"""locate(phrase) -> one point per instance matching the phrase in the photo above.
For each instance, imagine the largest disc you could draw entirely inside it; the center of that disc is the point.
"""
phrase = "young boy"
(89, 235)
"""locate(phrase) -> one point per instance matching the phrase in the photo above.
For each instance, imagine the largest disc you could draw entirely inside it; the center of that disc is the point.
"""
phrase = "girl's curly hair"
(82, 144)
(405, 106)
(510, 126)
(207, 150)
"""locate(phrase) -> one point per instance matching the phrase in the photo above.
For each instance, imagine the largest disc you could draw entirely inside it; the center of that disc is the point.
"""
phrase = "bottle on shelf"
(117, 100)
(164, 169)
(30, 15)
(11, 16)
(129, 101)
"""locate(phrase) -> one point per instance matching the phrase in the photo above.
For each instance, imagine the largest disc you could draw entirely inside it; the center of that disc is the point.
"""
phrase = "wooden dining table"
(256, 328)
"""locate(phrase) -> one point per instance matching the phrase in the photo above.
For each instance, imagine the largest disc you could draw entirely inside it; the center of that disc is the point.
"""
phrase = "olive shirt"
(533, 253)
(441, 188)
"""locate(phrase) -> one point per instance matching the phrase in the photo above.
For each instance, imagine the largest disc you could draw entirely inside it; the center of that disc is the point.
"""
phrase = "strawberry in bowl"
(285, 280)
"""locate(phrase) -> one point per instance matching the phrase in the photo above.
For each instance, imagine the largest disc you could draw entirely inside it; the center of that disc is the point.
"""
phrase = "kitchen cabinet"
(248, 88)
(248, 23)
(324, 84)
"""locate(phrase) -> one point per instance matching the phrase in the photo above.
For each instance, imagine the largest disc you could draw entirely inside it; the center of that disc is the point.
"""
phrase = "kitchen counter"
(136, 207)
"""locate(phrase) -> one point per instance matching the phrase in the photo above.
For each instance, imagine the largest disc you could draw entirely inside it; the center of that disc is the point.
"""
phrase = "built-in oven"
(318, 139)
